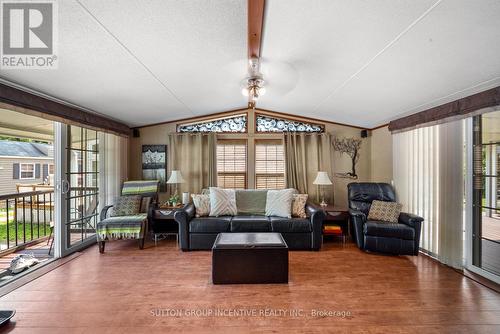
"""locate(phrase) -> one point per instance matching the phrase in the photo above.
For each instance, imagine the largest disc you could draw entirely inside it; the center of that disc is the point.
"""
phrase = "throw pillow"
(279, 203)
(222, 202)
(201, 204)
(299, 205)
(385, 211)
(127, 206)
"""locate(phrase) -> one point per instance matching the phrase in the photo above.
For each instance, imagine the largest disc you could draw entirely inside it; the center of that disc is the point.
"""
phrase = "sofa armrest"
(316, 215)
(104, 212)
(183, 217)
(358, 219)
(415, 222)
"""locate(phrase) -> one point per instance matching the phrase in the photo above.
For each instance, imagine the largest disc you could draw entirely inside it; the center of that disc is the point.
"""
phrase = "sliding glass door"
(79, 187)
(83, 177)
(486, 193)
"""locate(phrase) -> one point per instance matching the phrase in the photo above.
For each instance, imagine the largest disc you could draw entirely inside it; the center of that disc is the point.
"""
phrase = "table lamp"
(176, 178)
(322, 179)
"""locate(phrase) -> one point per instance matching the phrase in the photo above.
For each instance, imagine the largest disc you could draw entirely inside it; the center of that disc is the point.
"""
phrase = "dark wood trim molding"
(195, 118)
(257, 111)
(244, 112)
(307, 118)
(457, 108)
(255, 27)
(291, 118)
(379, 127)
(19, 98)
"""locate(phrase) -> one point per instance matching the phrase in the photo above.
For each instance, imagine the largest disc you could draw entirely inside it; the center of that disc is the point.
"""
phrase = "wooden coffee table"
(246, 258)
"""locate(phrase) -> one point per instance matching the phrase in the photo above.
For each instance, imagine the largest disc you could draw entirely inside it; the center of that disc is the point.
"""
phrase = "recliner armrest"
(104, 212)
(316, 215)
(356, 213)
(410, 219)
(415, 222)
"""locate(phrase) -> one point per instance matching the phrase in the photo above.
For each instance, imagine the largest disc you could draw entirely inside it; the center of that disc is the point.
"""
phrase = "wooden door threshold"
(35, 273)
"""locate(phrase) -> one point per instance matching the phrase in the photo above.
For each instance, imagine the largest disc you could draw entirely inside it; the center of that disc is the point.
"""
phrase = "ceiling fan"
(280, 76)
(253, 85)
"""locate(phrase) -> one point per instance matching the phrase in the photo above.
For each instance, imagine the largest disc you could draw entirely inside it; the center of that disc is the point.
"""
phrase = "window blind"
(269, 164)
(232, 164)
(428, 178)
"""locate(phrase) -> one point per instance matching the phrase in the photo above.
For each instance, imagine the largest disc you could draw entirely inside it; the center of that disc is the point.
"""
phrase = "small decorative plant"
(351, 147)
(174, 199)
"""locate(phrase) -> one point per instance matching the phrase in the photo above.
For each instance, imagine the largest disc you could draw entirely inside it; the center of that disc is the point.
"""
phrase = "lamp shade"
(176, 177)
(322, 179)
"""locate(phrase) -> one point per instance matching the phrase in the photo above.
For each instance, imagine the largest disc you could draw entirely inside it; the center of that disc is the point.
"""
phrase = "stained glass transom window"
(236, 123)
(273, 124)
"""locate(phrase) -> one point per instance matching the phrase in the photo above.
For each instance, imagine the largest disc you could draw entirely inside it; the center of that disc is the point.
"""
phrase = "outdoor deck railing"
(25, 217)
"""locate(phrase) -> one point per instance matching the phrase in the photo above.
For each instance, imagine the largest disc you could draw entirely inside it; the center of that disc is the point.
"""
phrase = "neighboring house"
(24, 163)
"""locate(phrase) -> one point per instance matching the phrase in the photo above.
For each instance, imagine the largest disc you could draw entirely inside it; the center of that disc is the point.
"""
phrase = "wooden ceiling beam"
(255, 27)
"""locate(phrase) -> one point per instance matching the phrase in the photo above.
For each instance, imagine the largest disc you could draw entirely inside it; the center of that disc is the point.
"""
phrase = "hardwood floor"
(126, 289)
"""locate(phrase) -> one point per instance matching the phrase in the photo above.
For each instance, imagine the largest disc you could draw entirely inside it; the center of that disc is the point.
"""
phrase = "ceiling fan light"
(244, 91)
(262, 91)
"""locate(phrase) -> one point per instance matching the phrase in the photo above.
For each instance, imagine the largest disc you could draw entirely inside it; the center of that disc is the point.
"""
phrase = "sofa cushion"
(290, 225)
(388, 230)
(251, 202)
(250, 224)
(209, 224)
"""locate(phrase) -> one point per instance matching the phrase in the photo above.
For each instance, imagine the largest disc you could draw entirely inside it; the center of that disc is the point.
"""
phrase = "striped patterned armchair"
(130, 217)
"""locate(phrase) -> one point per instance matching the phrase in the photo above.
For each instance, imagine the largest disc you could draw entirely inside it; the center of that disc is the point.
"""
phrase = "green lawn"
(20, 231)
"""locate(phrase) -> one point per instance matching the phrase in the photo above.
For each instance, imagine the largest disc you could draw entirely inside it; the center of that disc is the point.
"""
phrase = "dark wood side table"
(337, 216)
(164, 223)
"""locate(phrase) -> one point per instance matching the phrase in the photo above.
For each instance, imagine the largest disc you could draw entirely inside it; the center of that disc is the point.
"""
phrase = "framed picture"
(154, 163)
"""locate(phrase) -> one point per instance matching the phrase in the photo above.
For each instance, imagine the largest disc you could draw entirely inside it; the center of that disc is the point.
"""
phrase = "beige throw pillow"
(201, 204)
(299, 205)
(385, 211)
(279, 203)
(222, 202)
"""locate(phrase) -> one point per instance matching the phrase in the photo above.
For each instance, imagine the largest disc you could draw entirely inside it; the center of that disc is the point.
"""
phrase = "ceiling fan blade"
(281, 77)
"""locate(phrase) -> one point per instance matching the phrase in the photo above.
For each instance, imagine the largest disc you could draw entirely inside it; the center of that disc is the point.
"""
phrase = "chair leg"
(101, 246)
(51, 245)
(141, 243)
(50, 236)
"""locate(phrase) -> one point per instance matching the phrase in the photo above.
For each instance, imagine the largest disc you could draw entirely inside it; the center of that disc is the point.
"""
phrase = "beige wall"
(157, 134)
(381, 155)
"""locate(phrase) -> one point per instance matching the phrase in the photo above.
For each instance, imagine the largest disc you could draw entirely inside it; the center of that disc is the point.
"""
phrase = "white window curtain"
(428, 178)
(114, 169)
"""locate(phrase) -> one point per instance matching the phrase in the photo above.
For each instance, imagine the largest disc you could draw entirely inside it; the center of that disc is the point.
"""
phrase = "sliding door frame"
(65, 246)
(469, 223)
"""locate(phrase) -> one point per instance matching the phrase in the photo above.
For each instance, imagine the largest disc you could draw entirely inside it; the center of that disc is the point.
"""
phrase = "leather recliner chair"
(402, 238)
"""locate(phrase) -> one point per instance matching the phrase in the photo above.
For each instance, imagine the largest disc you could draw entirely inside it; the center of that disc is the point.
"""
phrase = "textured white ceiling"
(357, 62)
(146, 61)
(368, 62)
